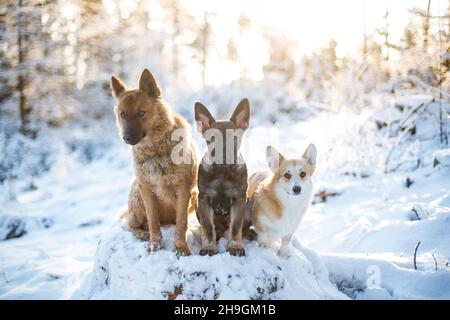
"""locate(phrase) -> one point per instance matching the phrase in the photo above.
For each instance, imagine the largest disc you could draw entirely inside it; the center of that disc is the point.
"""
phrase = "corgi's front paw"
(285, 251)
(263, 241)
(264, 244)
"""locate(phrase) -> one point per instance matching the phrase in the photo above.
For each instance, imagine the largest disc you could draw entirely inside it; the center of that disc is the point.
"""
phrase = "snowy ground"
(365, 234)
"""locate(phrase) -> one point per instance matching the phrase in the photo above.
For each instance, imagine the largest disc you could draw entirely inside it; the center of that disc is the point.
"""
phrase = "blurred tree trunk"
(386, 33)
(426, 26)
(24, 109)
(5, 63)
(205, 44)
(364, 31)
(176, 32)
(448, 22)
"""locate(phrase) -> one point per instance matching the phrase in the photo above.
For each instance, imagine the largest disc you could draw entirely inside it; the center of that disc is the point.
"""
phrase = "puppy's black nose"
(296, 189)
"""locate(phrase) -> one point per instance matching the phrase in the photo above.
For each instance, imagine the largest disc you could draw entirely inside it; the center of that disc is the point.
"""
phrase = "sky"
(314, 23)
(309, 24)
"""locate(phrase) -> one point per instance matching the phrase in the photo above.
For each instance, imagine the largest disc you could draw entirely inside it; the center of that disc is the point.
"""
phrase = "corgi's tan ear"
(274, 158)
(117, 87)
(310, 154)
(148, 84)
(241, 115)
(203, 117)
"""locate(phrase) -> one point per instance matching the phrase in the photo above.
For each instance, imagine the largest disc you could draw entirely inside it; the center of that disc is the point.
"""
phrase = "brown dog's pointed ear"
(117, 87)
(274, 158)
(148, 84)
(203, 118)
(241, 115)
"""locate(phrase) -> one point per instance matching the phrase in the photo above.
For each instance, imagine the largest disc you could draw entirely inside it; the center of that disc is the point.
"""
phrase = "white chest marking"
(294, 208)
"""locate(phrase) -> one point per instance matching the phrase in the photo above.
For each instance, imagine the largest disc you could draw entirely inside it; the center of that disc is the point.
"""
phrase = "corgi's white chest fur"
(294, 208)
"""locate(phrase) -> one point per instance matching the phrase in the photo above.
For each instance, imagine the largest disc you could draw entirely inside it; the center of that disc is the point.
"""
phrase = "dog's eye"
(141, 114)
(302, 174)
(287, 175)
(123, 114)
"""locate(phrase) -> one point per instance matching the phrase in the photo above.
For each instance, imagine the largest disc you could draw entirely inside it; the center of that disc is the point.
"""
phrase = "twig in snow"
(3, 272)
(415, 254)
(435, 262)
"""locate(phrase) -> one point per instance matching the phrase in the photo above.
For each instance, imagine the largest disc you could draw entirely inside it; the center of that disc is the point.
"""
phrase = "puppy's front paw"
(208, 251)
(154, 245)
(239, 252)
(236, 249)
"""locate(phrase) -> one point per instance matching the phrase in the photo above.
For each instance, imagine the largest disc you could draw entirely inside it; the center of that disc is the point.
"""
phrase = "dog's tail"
(193, 201)
(254, 180)
(143, 235)
(121, 214)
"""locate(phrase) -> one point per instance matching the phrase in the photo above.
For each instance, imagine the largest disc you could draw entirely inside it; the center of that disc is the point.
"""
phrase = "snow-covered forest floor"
(364, 225)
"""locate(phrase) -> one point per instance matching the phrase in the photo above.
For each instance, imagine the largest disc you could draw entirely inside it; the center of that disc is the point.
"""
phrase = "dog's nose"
(130, 139)
(126, 138)
(296, 189)
(221, 210)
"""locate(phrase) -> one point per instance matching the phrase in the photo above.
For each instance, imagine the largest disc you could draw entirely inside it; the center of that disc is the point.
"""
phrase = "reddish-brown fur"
(162, 190)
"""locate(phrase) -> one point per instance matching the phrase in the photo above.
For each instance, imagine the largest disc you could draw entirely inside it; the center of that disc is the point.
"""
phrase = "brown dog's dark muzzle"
(132, 138)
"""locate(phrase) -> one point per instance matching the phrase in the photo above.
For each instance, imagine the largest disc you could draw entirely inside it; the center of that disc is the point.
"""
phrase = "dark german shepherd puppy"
(222, 179)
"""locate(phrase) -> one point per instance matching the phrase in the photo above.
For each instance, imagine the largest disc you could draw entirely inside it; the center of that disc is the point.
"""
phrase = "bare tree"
(206, 29)
(426, 26)
(364, 30)
(24, 108)
(386, 32)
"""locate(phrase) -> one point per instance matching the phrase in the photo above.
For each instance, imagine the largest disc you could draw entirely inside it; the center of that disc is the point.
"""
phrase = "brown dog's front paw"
(208, 252)
(182, 249)
(154, 246)
(236, 251)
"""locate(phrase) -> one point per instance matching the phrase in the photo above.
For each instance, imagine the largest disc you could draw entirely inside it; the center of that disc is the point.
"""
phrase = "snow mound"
(124, 270)
(442, 157)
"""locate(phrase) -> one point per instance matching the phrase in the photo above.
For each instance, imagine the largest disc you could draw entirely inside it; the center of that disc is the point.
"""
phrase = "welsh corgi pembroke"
(279, 199)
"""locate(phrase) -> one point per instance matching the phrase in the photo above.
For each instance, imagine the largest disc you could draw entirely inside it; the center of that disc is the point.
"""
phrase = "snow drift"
(124, 270)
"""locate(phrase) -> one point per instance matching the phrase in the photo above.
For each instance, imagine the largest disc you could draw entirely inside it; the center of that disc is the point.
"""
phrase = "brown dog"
(163, 187)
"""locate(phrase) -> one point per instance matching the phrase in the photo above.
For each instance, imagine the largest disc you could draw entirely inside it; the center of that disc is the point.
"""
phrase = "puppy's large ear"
(203, 118)
(274, 158)
(117, 87)
(241, 115)
(148, 84)
(310, 154)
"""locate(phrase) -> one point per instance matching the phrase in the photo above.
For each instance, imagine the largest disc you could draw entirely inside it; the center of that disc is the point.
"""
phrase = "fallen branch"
(421, 83)
(415, 254)
(435, 262)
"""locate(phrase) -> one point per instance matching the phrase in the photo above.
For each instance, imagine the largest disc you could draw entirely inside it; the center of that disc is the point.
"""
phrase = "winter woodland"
(377, 109)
